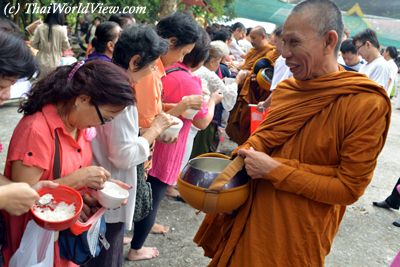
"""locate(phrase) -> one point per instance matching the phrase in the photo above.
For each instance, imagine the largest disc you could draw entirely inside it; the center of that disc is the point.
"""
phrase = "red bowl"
(60, 193)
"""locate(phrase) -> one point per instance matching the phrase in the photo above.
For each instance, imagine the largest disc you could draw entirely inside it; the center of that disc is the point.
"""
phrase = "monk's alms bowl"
(199, 174)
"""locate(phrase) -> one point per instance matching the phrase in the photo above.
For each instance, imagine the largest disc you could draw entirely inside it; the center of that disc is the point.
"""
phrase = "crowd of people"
(328, 100)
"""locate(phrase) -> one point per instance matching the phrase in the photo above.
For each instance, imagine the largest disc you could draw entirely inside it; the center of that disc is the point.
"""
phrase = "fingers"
(243, 152)
(121, 184)
(42, 184)
(105, 173)
(89, 200)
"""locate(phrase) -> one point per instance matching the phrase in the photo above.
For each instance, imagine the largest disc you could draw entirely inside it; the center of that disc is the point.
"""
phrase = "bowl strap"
(226, 175)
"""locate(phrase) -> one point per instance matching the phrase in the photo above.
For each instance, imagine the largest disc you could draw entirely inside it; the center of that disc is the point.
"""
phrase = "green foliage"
(215, 10)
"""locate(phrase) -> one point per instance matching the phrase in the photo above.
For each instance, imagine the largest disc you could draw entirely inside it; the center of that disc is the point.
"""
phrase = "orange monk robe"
(327, 133)
(254, 94)
(253, 55)
(238, 127)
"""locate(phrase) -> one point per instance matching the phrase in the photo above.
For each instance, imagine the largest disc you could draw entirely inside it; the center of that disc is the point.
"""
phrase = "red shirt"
(33, 143)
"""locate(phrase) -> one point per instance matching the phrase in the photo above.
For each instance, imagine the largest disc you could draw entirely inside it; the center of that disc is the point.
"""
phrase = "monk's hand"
(257, 164)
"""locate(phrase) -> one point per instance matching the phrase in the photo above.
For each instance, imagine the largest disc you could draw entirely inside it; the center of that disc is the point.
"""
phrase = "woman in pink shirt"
(183, 33)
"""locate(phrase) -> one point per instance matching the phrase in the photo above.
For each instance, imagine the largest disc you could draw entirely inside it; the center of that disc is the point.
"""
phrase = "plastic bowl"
(67, 195)
(190, 113)
(112, 195)
(172, 131)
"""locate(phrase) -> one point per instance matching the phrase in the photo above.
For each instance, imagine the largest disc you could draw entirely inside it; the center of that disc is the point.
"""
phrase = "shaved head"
(259, 30)
(323, 16)
(258, 37)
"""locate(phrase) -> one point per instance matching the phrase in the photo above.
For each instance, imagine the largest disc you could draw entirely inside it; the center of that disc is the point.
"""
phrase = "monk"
(314, 154)
(238, 127)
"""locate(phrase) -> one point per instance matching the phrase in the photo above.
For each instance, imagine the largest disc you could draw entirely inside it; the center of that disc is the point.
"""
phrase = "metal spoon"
(45, 200)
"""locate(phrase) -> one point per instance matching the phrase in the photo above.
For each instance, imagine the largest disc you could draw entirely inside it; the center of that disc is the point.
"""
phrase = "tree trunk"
(167, 7)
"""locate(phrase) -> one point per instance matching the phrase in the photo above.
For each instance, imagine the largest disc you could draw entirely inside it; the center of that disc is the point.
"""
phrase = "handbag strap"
(175, 69)
(56, 164)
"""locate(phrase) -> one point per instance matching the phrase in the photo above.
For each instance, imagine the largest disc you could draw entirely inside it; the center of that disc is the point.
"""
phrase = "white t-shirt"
(281, 72)
(378, 70)
(358, 66)
(393, 73)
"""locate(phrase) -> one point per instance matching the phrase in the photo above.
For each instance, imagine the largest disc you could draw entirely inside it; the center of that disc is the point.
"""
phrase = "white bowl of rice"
(112, 195)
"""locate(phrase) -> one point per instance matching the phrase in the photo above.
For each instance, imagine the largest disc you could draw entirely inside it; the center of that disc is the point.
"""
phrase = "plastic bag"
(36, 248)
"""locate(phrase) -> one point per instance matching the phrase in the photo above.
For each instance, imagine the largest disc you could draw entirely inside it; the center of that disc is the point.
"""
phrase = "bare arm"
(192, 101)
(216, 98)
(92, 176)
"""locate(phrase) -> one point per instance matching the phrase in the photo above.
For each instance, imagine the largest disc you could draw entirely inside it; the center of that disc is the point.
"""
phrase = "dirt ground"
(366, 236)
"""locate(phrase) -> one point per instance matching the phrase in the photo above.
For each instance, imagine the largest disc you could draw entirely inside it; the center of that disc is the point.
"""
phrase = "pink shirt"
(167, 158)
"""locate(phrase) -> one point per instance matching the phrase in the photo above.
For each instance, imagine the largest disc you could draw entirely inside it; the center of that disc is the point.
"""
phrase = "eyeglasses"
(358, 47)
(102, 119)
(99, 114)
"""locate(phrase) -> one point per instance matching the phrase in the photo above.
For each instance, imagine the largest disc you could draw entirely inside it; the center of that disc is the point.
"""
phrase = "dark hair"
(325, 17)
(348, 46)
(392, 52)
(54, 18)
(104, 82)
(16, 58)
(139, 40)
(367, 35)
(238, 25)
(105, 32)
(10, 27)
(200, 51)
(121, 19)
(248, 31)
(181, 26)
(222, 35)
(96, 18)
(278, 31)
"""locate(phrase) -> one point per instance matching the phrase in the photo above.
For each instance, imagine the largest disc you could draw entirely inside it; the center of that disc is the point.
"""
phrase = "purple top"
(95, 55)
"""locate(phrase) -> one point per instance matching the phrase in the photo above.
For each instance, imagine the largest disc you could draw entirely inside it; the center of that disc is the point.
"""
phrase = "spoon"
(45, 200)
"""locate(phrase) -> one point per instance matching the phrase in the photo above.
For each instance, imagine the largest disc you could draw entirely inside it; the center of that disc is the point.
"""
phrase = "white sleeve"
(126, 149)
(229, 91)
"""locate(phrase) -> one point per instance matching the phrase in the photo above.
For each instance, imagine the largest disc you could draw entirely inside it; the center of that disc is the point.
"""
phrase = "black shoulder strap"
(56, 164)
(175, 69)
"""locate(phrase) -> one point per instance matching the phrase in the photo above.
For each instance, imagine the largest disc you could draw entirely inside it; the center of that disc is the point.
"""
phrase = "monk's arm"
(345, 183)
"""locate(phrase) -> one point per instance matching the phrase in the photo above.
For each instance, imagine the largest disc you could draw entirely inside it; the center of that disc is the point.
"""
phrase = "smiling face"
(5, 87)
(302, 47)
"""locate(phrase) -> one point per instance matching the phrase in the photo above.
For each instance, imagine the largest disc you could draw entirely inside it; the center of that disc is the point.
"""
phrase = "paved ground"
(366, 236)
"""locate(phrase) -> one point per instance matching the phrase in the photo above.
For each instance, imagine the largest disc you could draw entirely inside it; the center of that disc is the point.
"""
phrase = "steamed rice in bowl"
(55, 212)
(114, 190)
